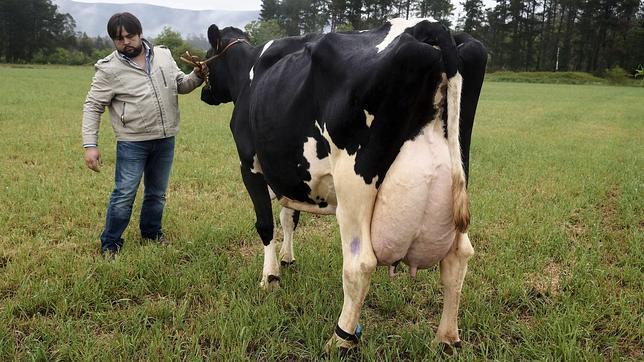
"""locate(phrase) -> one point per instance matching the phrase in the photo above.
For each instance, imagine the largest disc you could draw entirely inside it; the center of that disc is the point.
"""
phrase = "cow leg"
(354, 211)
(452, 272)
(258, 191)
(289, 219)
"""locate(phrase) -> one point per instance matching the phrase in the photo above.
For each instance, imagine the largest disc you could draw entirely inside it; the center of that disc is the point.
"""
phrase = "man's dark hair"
(120, 21)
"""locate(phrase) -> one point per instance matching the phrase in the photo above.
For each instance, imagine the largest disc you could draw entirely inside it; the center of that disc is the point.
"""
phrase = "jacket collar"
(149, 53)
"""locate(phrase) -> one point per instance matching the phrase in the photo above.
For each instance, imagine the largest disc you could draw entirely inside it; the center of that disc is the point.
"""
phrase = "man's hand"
(202, 71)
(93, 159)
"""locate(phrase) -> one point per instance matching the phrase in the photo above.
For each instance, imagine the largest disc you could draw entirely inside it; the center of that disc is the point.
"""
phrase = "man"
(139, 84)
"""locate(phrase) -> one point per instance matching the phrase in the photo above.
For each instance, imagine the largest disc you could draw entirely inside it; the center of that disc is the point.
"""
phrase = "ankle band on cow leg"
(346, 336)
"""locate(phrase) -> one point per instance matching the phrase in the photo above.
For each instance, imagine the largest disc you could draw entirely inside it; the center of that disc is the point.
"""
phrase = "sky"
(190, 4)
(223, 4)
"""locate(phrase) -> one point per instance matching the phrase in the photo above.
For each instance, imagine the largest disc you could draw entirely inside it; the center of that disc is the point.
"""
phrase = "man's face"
(128, 44)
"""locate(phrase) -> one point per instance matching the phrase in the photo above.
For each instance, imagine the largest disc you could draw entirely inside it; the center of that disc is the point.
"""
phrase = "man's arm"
(100, 95)
(186, 83)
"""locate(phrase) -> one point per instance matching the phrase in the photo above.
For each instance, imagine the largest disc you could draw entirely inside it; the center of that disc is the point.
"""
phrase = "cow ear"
(213, 36)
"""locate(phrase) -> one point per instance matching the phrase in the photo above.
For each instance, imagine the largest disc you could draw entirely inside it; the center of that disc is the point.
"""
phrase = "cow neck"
(239, 61)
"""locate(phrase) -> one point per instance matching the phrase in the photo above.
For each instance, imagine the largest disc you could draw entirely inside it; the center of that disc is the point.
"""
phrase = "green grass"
(558, 78)
(556, 189)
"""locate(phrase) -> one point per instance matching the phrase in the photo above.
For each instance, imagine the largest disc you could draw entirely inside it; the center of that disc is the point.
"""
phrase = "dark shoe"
(109, 254)
(161, 240)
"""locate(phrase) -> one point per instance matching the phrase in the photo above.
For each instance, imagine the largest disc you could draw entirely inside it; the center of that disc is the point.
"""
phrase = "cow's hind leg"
(258, 191)
(289, 219)
(354, 212)
(452, 272)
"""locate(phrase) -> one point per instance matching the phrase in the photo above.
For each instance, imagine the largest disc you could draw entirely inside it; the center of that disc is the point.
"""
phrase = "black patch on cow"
(472, 59)
(331, 80)
(296, 218)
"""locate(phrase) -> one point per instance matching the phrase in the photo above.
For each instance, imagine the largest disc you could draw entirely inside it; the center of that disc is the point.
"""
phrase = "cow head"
(223, 69)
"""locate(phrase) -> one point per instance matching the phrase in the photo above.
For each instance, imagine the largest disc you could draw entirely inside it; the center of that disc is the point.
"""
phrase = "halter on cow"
(364, 125)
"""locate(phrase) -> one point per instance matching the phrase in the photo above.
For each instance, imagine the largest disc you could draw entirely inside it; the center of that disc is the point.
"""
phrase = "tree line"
(34, 31)
(521, 35)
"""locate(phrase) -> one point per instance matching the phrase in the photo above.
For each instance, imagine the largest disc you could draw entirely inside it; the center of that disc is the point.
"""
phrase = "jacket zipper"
(123, 115)
(156, 95)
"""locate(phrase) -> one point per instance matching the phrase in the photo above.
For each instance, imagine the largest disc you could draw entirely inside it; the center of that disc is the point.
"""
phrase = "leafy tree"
(474, 17)
(437, 9)
(344, 27)
(27, 26)
(177, 46)
(262, 31)
(169, 38)
(271, 10)
(84, 43)
(315, 16)
(337, 13)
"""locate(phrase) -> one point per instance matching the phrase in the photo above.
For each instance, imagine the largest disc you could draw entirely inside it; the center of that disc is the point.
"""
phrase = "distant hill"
(92, 18)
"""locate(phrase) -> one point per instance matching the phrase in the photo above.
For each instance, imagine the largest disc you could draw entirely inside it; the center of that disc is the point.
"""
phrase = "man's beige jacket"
(142, 107)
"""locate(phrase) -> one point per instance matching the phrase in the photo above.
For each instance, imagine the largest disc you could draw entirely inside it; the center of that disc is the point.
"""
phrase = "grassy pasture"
(556, 189)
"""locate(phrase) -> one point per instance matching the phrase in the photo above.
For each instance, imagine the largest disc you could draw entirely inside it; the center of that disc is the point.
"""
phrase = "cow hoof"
(271, 282)
(343, 347)
(449, 348)
(287, 264)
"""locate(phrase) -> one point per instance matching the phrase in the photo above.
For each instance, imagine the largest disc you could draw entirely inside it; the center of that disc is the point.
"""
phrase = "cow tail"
(436, 34)
(460, 199)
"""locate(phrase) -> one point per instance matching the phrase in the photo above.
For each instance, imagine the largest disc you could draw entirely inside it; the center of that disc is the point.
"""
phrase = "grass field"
(556, 188)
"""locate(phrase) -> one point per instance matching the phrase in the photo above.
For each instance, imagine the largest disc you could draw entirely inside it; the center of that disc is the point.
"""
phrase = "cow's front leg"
(289, 219)
(258, 191)
(354, 211)
(452, 270)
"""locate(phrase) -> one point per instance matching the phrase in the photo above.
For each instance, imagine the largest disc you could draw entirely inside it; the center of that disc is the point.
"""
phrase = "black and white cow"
(363, 125)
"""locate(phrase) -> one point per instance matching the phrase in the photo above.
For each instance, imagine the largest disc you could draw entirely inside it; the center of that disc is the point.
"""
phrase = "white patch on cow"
(321, 183)
(288, 226)
(323, 131)
(452, 272)
(439, 98)
(398, 26)
(369, 118)
(271, 266)
(266, 46)
(251, 74)
(257, 168)
(355, 207)
(459, 189)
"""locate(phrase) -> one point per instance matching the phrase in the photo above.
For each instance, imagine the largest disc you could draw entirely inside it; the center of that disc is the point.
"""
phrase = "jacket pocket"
(165, 82)
(128, 119)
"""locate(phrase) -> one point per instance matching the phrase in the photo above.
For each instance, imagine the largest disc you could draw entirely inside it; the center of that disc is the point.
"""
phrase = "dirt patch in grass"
(546, 282)
(609, 208)
(247, 249)
(575, 227)
(615, 231)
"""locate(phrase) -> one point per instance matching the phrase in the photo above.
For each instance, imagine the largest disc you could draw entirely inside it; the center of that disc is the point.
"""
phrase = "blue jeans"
(153, 160)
